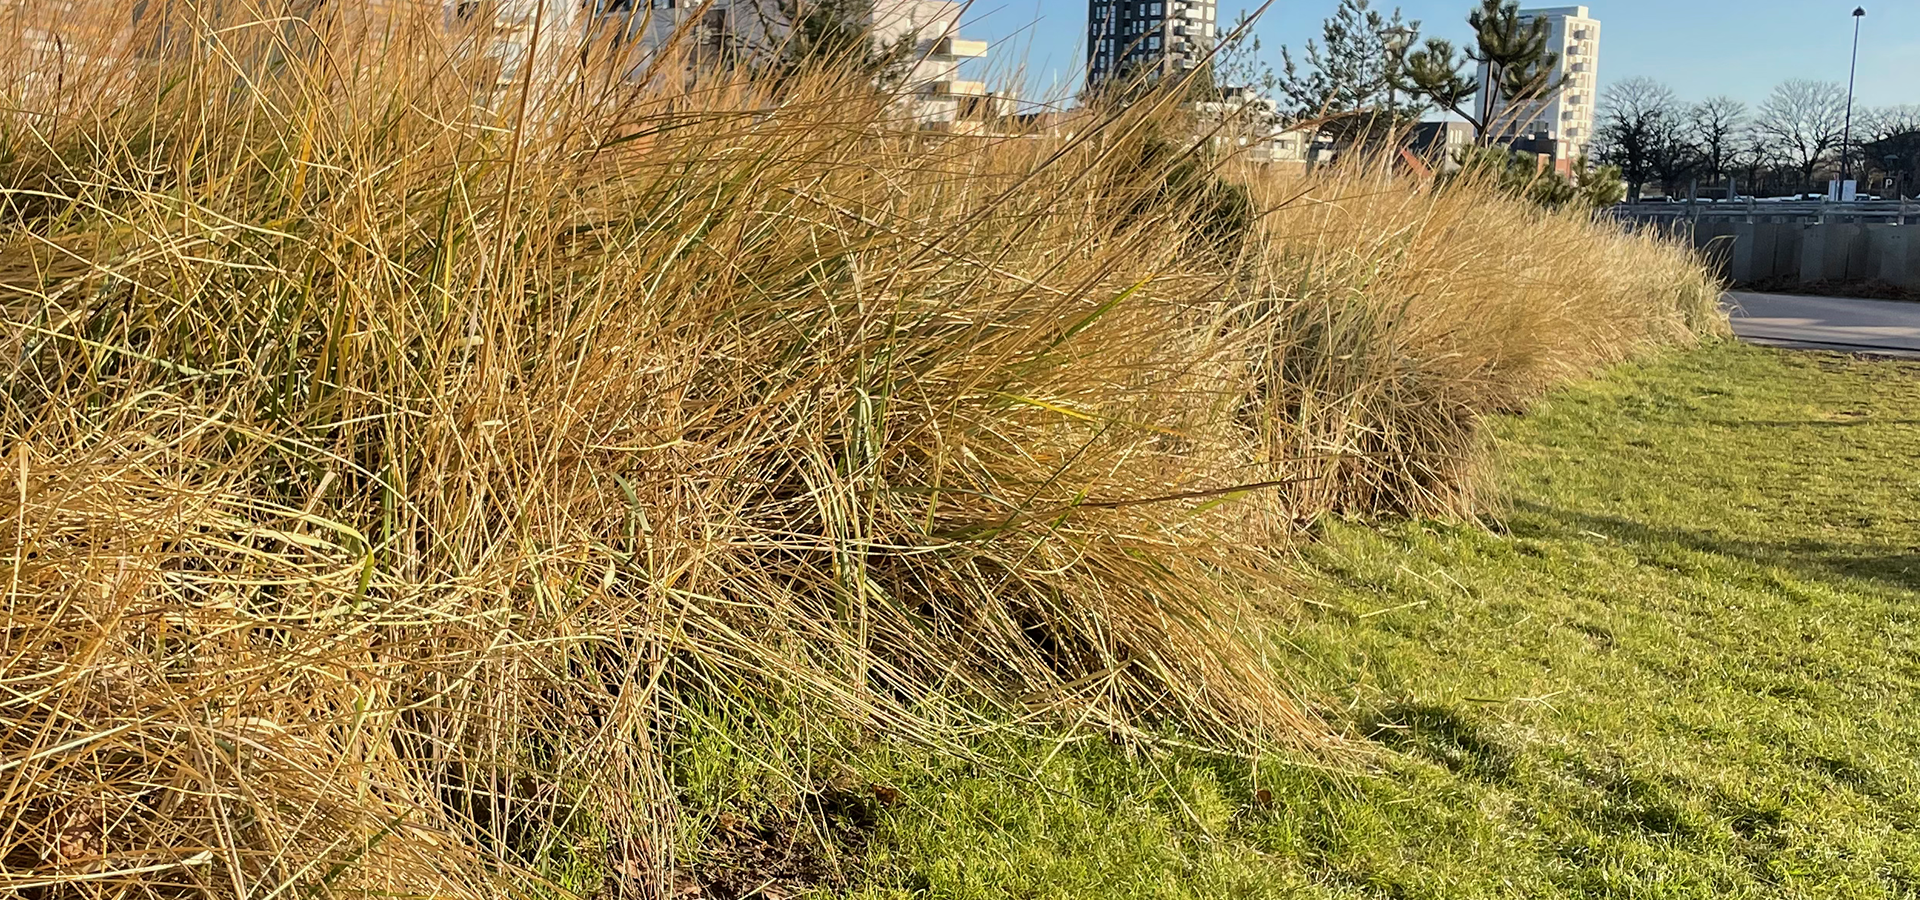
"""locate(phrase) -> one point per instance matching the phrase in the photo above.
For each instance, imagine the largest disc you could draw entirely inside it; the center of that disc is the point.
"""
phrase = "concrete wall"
(1749, 252)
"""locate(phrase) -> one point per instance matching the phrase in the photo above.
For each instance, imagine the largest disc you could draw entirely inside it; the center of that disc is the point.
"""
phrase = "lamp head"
(1859, 11)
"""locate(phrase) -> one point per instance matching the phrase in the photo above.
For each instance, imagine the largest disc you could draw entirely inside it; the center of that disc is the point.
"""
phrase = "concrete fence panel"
(1813, 254)
(1784, 262)
(1846, 252)
(1719, 241)
(1898, 263)
(1831, 251)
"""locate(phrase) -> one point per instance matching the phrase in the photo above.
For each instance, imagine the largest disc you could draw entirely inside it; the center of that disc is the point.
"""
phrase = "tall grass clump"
(395, 456)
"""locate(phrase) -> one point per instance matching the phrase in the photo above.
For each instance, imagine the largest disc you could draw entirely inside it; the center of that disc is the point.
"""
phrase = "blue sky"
(1740, 48)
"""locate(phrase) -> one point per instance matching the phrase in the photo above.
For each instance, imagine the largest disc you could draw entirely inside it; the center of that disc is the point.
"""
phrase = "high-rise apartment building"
(1565, 118)
(1131, 37)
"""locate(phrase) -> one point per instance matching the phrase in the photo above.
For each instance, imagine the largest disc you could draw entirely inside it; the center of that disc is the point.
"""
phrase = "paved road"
(1827, 323)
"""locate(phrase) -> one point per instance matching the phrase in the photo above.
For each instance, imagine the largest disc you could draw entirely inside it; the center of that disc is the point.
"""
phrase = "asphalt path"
(1890, 327)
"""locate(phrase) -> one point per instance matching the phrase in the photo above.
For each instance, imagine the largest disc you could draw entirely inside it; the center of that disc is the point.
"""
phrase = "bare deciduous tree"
(1803, 121)
(1754, 157)
(1714, 127)
(1893, 145)
(1638, 118)
(1891, 120)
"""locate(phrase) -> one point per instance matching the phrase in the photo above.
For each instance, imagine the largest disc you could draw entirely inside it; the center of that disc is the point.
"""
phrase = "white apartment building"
(1566, 118)
(1245, 122)
(1131, 37)
(933, 93)
(937, 97)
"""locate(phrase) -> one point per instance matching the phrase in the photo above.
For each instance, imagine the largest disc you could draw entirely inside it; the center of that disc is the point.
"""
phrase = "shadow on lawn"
(1883, 564)
(1445, 736)
(1813, 423)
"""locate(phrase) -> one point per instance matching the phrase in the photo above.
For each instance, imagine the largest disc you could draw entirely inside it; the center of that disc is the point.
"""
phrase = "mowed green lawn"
(1682, 663)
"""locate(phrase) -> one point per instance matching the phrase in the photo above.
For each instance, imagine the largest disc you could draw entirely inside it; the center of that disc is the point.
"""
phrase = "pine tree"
(1349, 81)
(1519, 67)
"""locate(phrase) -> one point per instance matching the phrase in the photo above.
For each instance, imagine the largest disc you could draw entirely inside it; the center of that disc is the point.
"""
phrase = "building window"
(1156, 10)
(1153, 43)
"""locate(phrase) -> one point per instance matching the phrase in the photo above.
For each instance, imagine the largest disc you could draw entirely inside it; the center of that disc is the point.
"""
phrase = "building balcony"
(957, 88)
(960, 48)
(955, 127)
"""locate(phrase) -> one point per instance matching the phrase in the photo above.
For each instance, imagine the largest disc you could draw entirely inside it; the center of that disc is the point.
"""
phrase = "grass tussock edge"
(397, 463)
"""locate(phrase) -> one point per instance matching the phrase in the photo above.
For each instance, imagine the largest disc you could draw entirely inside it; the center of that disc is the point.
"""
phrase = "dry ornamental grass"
(391, 458)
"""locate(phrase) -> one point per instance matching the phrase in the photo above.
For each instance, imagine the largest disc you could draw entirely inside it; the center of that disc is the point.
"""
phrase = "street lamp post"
(1846, 134)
